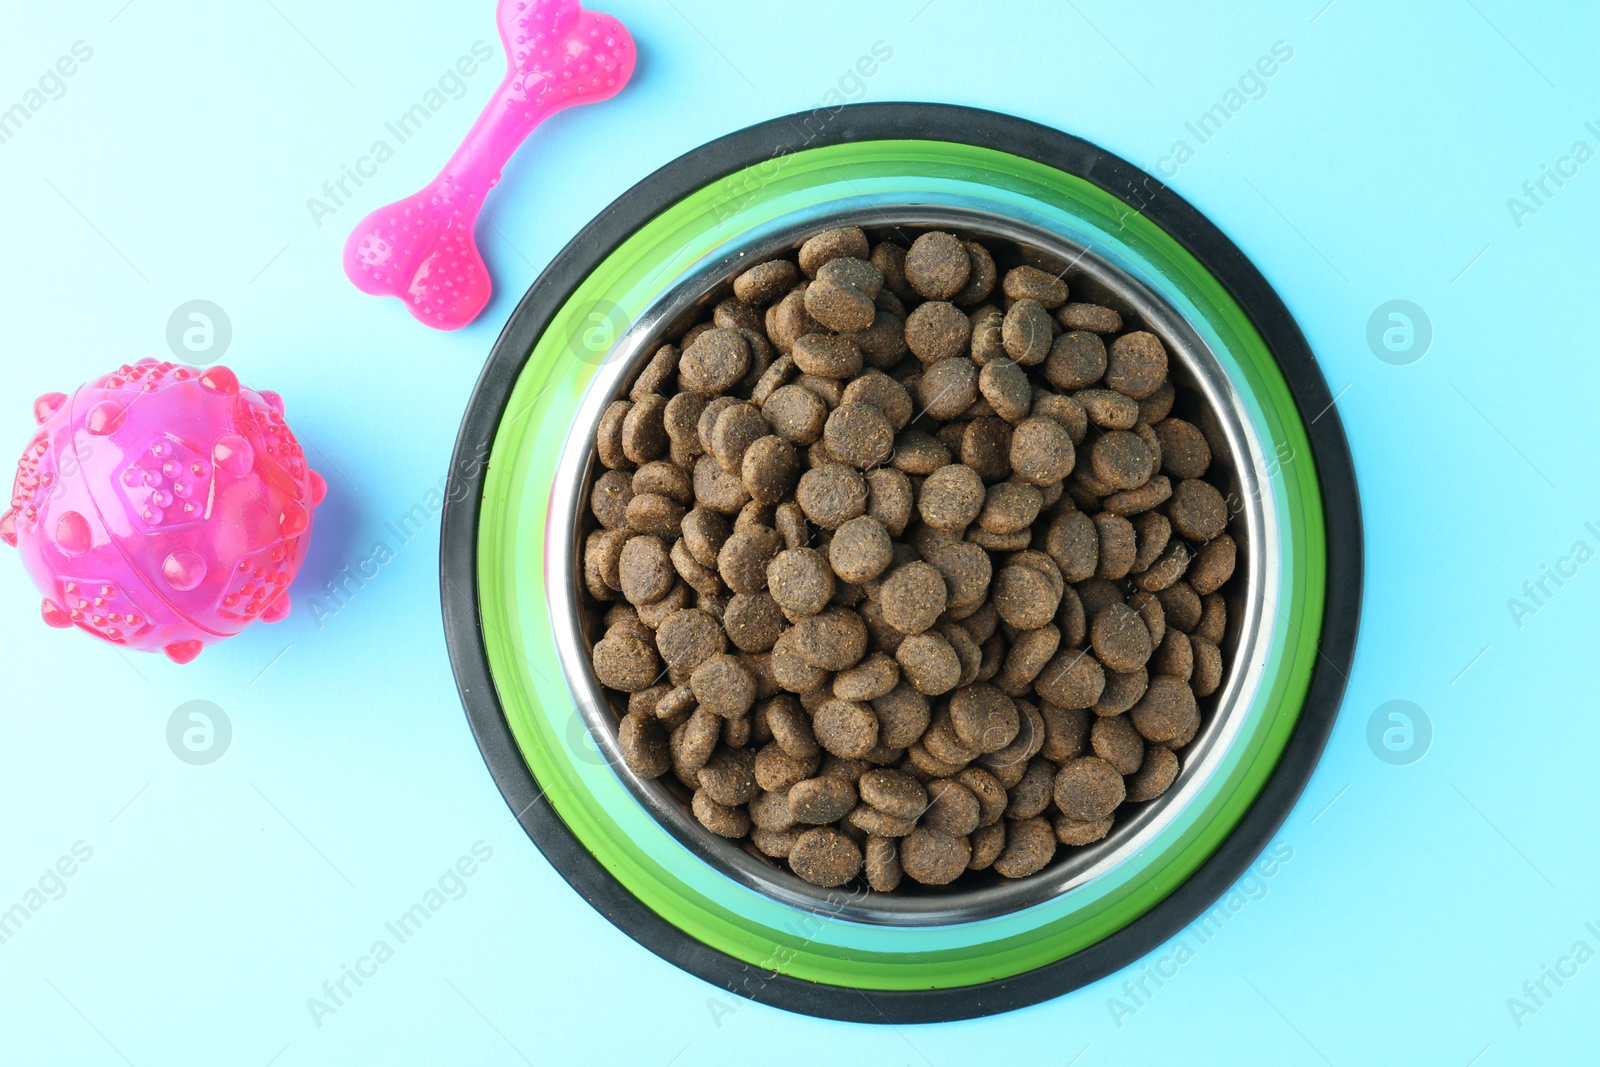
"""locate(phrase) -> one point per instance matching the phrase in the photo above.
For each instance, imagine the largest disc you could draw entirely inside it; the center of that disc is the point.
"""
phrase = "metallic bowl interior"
(1213, 403)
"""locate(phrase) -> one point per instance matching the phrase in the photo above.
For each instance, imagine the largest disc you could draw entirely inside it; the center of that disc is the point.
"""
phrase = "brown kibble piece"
(1041, 451)
(688, 637)
(948, 388)
(1029, 652)
(766, 282)
(1010, 507)
(890, 499)
(609, 499)
(608, 435)
(952, 497)
(796, 414)
(818, 801)
(1091, 317)
(792, 670)
(1121, 460)
(770, 808)
(716, 489)
(983, 717)
(657, 374)
(715, 362)
(1073, 541)
(1158, 405)
(769, 469)
(826, 356)
(981, 275)
(830, 245)
(1088, 788)
(1026, 332)
(729, 776)
(1108, 409)
(801, 581)
(1207, 667)
(831, 495)
(644, 435)
(903, 715)
(1136, 364)
(841, 296)
(929, 663)
(988, 340)
(1120, 638)
(666, 479)
(775, 843)
(788, 320)
(860, 549)
(913, 597)
(988, 841)
(720, 819)
(1031, 283)
(933, 857)
(1182, 606)
(1175, 655)
(1030, 845)
(644, 745)
(1076, 361)
(891, 260)
(652, 513)
(1004, 384)
(833, 639)
(1114, 740)
(1159, 771)
(884, 393)
(1118, 546)
(1213, 565)
(723, 686)
(644, 569)
(1025, 597)
(744, 556)
(952, 808)
(1080, 831)
(893, 792)
(1184, 451)
(703, 534)
(846, 728)
(1066, 732)
(937, 266)
(776, 771)
(858, 434)
(937, 331)
(1197, 510)
(735, 429)
(882, 864)
(826, 857)
(1213, 623)
(1074, 679)
(1123, 690)
(1166, 710)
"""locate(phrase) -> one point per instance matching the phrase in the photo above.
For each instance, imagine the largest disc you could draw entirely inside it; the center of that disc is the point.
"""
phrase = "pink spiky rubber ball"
(162, 507)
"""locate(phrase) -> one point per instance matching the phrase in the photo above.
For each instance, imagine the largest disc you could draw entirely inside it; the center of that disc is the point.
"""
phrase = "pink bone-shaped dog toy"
(421, 249)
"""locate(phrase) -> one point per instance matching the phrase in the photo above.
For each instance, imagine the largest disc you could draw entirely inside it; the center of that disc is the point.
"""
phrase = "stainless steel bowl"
(1222, 417)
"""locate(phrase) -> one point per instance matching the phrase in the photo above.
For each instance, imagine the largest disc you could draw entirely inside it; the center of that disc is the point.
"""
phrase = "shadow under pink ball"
(162, 507)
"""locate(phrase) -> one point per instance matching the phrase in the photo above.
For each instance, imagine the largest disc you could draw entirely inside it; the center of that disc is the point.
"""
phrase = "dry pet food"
(906, 567)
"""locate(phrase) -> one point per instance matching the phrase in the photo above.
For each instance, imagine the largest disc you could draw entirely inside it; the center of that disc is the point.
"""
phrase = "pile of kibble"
(910, 568)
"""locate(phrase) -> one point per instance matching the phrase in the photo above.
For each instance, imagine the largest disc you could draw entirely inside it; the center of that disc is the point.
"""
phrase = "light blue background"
(219, 898)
